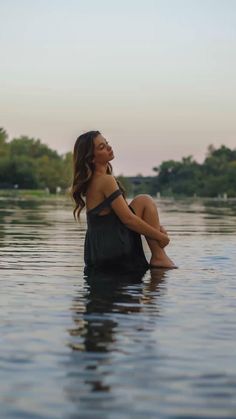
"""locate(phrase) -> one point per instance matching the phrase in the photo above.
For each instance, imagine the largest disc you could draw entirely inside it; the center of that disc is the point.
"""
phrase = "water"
(161, 346)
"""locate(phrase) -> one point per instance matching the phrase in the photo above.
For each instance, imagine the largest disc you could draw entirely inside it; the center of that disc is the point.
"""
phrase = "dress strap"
(107, 201)
(114, 195)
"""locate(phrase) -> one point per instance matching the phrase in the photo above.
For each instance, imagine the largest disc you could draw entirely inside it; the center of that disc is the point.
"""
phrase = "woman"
(113, 238)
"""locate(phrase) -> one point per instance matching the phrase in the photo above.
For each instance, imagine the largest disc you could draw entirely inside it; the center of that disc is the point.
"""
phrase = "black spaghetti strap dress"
(109, 244)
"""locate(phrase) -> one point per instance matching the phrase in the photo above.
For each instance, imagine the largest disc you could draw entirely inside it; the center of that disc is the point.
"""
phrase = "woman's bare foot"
(162, 262)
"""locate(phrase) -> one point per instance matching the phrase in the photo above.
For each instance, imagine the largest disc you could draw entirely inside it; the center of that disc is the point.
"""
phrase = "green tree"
(31, 147)
(3, 143)
(23, 172)
(67, 169)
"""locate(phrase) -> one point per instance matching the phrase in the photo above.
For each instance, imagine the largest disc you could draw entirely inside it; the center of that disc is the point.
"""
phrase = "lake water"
(161, 346)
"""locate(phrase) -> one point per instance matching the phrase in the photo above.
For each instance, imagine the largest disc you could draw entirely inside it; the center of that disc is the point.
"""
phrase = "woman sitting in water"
(113, 235)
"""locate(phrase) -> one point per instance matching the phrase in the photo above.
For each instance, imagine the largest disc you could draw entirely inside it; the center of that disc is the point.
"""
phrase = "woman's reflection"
(98, 324)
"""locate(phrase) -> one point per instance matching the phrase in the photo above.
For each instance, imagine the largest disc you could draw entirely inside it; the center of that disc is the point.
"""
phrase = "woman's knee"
(142, 201)
(146, 199)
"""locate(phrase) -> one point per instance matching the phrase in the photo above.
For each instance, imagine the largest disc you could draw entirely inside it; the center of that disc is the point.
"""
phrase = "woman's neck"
(100, 170)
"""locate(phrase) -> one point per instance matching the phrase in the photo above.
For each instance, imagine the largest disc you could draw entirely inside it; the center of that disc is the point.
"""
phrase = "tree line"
(27, 163)
(215, 176)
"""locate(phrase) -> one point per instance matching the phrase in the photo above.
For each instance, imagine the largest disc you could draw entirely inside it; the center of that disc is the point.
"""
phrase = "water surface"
(157, 346)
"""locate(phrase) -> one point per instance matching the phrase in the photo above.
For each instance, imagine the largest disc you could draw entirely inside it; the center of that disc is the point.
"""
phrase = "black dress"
(109, 244)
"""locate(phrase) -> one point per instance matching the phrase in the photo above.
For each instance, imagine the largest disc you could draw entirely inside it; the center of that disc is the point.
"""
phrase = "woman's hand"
(163, 230)
(163, 240)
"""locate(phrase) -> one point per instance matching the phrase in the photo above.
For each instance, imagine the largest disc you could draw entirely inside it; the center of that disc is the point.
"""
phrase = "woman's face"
(103, 152)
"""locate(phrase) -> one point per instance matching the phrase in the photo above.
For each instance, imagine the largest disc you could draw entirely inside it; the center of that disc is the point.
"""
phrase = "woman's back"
(95, 194)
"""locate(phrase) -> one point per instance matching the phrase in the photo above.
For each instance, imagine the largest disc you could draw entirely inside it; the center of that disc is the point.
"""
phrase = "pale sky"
(155, 77)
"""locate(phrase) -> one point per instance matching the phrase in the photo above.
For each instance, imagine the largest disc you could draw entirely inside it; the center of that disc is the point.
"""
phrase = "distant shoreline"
(41, 194)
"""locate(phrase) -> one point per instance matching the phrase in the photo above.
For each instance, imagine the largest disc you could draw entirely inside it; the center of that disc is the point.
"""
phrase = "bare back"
(95, 194)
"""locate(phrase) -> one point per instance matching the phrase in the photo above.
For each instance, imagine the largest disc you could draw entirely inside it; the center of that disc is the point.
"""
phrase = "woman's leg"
(145, 208)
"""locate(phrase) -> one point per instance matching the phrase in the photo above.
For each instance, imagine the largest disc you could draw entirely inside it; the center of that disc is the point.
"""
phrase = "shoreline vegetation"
(30, 168)
(35, 194)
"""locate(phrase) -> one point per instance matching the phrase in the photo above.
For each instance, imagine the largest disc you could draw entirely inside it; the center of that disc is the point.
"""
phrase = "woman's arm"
(127, 217)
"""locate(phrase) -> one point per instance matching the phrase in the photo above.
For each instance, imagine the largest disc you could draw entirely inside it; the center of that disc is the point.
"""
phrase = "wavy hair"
(83, 169)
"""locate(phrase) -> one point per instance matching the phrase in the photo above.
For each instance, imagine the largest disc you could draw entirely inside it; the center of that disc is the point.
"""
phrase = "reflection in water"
(20, 222)
(103, 322)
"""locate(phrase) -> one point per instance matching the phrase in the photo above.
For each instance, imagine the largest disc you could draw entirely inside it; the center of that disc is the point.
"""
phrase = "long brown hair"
(83, 169)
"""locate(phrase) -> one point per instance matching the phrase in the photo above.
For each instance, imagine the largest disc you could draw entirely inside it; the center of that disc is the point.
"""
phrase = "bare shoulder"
(108, 184)
(106, 178)
(118, 204)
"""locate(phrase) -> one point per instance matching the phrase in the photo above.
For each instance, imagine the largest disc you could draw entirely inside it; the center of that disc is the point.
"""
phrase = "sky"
(155, 77)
